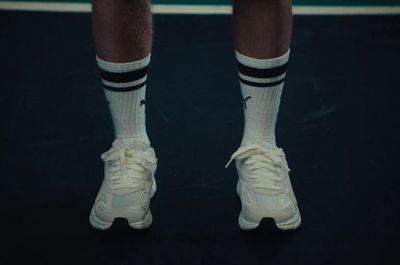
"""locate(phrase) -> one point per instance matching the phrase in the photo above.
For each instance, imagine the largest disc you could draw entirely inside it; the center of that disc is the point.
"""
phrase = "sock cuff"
(124, 77)
(262, 63)
(123, 67)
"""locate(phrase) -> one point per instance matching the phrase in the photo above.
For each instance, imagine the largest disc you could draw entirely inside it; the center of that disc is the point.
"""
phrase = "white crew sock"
(125, 90)
(261, 83)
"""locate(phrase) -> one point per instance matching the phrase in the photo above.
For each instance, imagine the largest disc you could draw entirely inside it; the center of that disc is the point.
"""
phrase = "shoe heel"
(143, 224)
(246, 225)
(97, 223)
(292, 223)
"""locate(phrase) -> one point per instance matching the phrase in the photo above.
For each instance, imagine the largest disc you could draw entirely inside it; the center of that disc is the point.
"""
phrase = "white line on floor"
(203, 9)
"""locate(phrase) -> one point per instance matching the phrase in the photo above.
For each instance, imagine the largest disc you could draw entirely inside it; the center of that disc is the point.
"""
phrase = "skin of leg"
(262, 28)
(122, 29)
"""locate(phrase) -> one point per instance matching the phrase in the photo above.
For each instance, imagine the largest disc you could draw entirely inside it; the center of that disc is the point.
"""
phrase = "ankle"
(134, 141)
(258, 140)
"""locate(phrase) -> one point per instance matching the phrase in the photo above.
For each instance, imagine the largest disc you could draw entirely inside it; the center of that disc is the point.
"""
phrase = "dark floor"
(338, 124)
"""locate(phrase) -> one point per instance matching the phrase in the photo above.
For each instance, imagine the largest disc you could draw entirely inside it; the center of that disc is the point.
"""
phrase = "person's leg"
(263, 28)
(262, 42)
(122, 31)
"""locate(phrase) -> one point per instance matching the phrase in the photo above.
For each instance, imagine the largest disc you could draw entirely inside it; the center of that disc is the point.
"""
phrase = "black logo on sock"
(142, 102)
(244, 102)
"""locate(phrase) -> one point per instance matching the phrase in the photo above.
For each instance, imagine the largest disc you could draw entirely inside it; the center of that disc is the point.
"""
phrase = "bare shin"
(262, 27)
(122, 29)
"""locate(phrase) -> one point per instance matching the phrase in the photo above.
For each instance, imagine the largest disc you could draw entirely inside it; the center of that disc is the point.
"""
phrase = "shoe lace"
(129, 167)
(265, 165)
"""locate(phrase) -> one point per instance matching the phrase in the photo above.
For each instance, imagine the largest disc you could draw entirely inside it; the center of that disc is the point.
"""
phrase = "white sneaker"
(264, 187)
(127, 186)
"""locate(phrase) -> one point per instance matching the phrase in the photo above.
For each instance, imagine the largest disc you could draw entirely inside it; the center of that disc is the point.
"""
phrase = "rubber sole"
(146, 222)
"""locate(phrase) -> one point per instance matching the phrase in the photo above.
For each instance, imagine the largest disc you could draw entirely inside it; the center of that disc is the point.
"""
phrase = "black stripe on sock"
(255, 84)
(124, 77)
(262, 73)
(125, 89)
